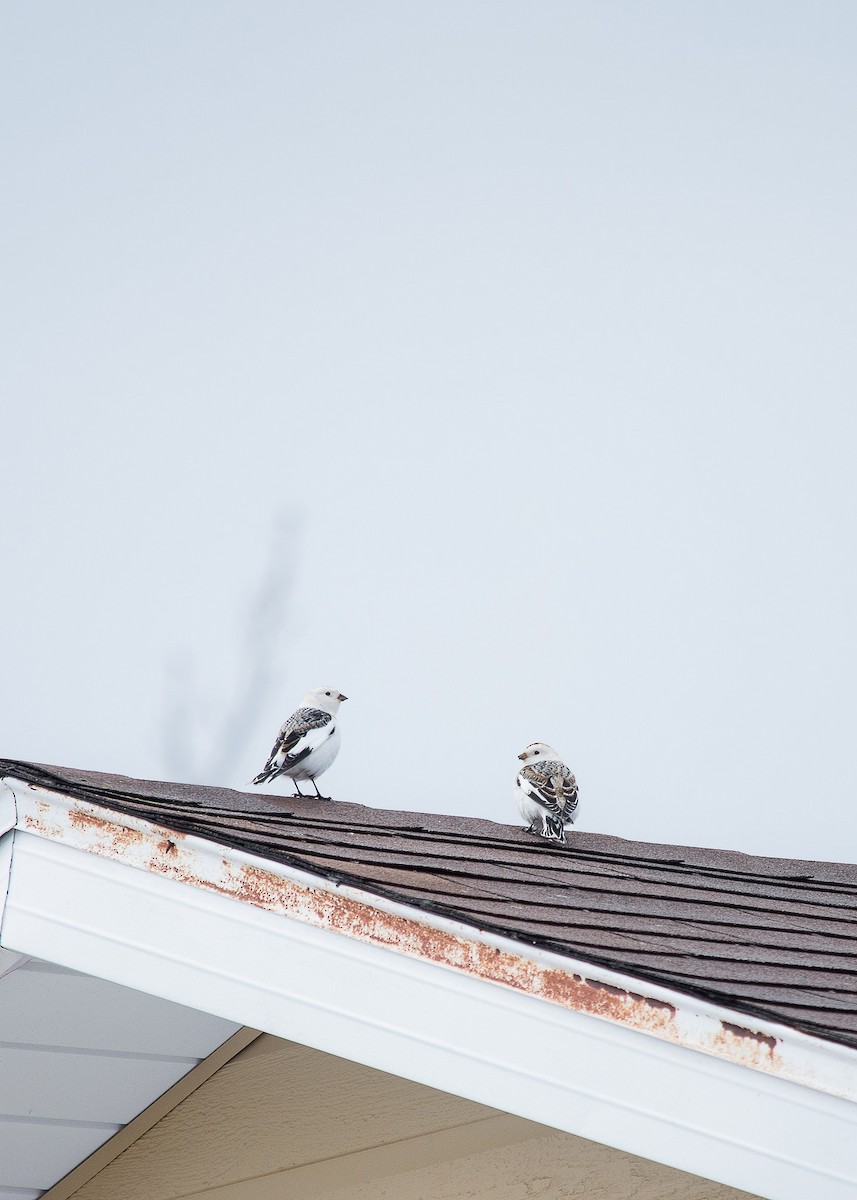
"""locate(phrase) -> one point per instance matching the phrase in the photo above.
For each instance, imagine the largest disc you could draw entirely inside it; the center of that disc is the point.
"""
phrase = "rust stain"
(108, 837)
(760, 1039)
(42, 824)
(661, 1005)
(355, 919)
(108, 833)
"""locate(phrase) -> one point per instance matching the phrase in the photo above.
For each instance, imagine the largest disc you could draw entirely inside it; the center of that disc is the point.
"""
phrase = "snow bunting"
(308, 741)
(545, 791)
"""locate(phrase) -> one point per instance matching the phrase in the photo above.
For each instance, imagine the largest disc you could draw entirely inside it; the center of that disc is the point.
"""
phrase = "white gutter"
(576, 1047)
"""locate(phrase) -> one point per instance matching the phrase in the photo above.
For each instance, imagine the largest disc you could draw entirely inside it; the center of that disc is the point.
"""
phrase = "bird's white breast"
(527, 806)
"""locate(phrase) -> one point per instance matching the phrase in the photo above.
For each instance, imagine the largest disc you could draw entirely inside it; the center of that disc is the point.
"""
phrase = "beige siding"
(556, 1167)
(281, 1122)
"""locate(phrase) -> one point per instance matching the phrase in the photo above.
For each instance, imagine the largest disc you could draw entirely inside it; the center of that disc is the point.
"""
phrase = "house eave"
(583, 987)
(559, 1041)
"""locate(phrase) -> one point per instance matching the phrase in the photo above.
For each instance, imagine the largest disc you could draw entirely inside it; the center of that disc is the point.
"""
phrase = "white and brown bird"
(545, 792)
(308, 741)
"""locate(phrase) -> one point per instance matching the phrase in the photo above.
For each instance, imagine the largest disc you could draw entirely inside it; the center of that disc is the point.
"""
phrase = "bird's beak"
(341, 697)
(524, 755)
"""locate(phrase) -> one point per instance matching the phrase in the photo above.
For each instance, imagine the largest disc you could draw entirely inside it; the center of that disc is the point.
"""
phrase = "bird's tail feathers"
(554, 828)
(263, 777)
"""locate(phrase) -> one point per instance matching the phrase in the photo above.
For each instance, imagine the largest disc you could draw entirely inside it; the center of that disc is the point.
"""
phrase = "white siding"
(79, 1058)
(79, 1012)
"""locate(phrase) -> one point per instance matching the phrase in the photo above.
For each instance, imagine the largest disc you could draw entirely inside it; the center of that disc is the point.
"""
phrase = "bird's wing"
(305, 729)
(570, 794)
(552, 785)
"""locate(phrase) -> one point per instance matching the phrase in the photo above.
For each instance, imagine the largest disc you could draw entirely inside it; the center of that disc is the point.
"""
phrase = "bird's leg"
(298, 791)
(317, 792)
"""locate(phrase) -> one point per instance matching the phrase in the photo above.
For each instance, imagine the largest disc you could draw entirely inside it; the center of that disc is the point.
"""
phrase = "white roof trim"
(413, 994)
(8, 821)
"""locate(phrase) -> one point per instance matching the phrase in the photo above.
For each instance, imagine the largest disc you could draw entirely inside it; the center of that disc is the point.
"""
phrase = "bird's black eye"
(535, 752)
(327, 693)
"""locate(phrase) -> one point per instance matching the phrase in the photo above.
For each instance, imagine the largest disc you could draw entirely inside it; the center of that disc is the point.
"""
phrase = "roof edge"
(365, 917)
(112, 791)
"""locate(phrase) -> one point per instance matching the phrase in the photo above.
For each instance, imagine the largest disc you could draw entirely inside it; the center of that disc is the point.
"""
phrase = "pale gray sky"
(536, 319)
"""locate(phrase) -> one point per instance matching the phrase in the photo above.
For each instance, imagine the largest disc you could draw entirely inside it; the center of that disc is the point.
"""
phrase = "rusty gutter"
(557, 979)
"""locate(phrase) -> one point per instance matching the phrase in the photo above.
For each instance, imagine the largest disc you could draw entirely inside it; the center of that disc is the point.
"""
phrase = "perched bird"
(545, 791)
(308, 741)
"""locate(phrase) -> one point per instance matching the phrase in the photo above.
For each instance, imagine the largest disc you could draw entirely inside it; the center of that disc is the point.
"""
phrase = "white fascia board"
(8, 821)
(8, 815)
(75, 901)
(8, 810)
